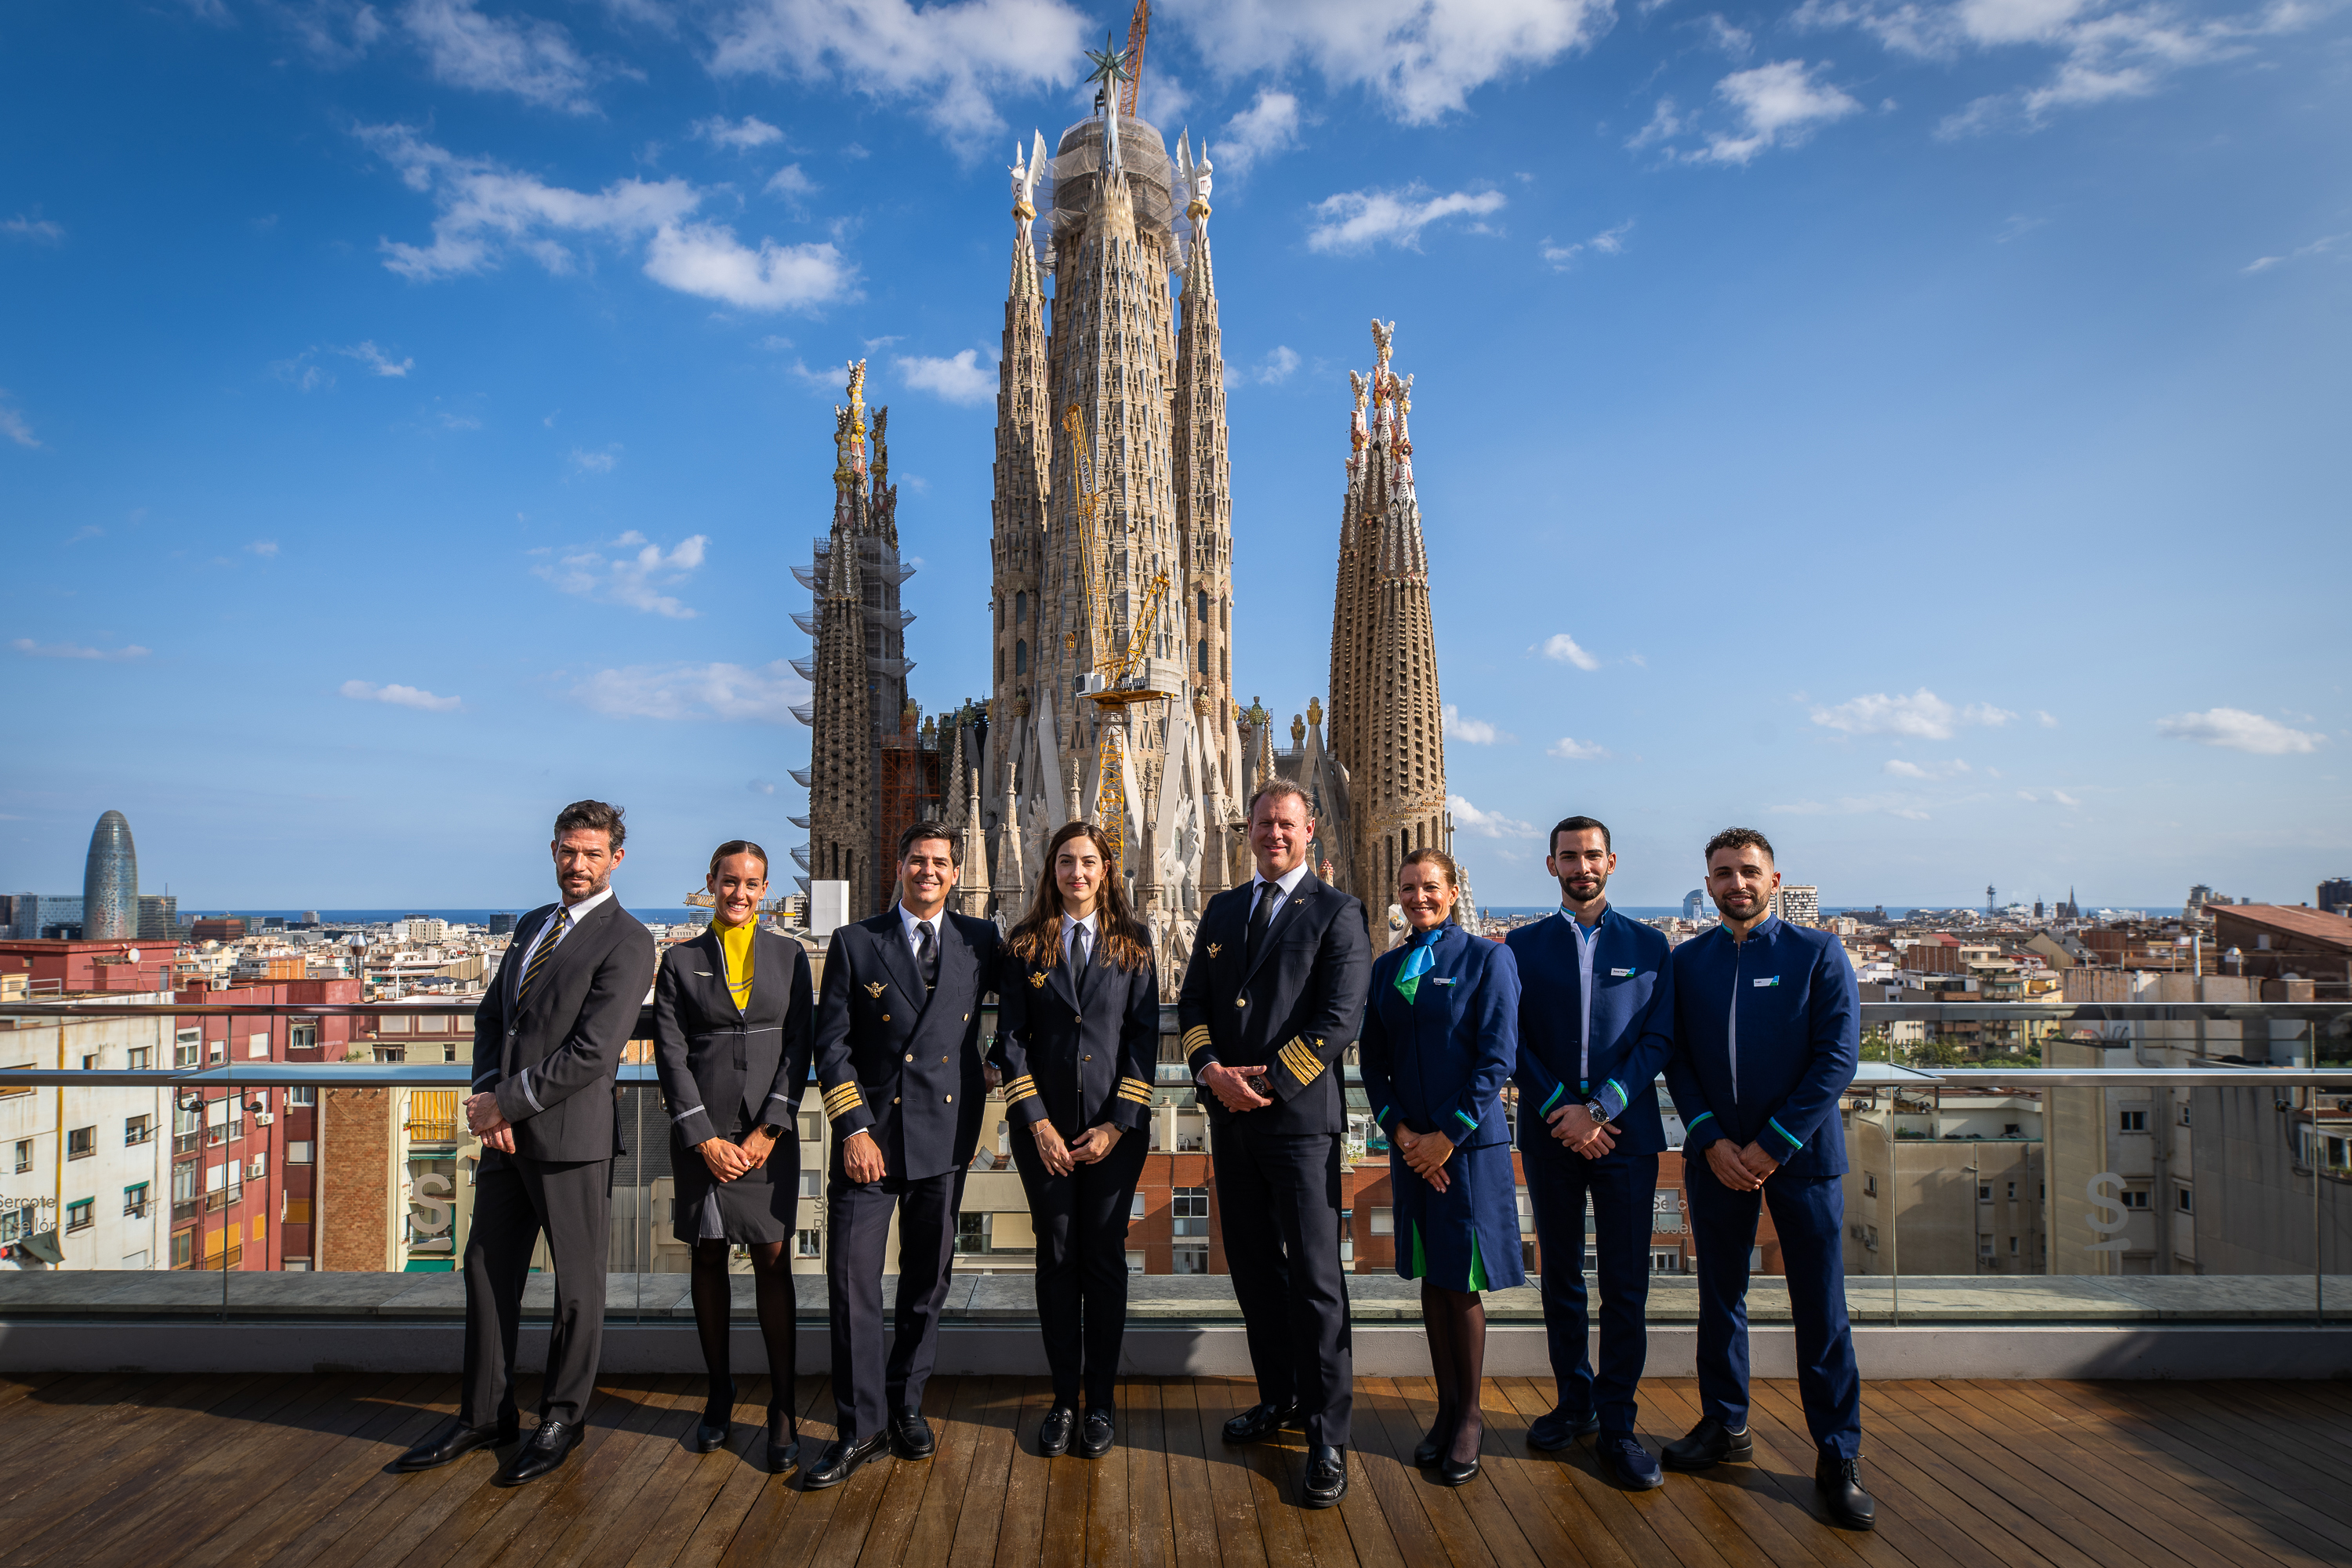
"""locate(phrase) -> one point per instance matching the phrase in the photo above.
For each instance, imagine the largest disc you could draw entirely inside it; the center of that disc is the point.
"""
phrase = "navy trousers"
(1081, 1222)
(1810, 1218)
(1278, 1208)
(868, 1385)
(1624, 1189)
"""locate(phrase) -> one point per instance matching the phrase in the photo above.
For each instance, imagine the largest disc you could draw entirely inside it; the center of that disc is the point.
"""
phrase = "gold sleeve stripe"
(1303, 1063)
(1136, 1089)
(841, 1099)
(1019, 1088)
(1196, 1039)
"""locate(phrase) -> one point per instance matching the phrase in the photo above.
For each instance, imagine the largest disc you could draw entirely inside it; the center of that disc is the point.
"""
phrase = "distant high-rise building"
(1695, 905)
(502, 924)
(217, 928)
(2335, 895)
(109, 882)
(158, 914)
(17, 914)
(309, 917)
(1800, 903)
(50, 916)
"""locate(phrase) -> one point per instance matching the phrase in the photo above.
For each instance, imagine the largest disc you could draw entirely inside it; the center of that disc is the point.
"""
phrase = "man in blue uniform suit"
(1273, 998)
(898, 1060)
(1596, 1025)
(1768, 1023)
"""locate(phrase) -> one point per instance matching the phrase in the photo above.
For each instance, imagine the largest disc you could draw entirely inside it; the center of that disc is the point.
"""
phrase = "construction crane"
(1136, 29)
(1124, 670)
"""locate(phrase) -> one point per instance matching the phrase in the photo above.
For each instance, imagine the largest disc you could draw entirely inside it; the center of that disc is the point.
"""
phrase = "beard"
(1575, 889)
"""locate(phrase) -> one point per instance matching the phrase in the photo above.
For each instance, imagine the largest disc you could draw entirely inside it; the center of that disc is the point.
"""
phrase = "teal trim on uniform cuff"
(1623, 1099)
(1557, 1091)
(1692, 1125)
(1382, 1118)
(1469, 1121)
(1794, 1144)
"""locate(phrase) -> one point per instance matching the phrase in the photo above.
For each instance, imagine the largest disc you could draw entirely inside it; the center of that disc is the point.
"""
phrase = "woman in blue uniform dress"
(1079, 1025)
(1441, 1036)
(731, 1039)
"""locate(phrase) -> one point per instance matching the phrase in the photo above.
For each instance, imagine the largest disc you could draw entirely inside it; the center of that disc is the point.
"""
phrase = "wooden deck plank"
(721, 1499)
(1611, 1527)
(1755, 1500)
(1785, 1455)
(1191, 1508)
(567, 1528)
(1142, 1454)
(911, 1487)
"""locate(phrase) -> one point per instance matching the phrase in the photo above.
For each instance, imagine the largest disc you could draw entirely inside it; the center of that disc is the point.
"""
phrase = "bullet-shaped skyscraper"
(109, 882)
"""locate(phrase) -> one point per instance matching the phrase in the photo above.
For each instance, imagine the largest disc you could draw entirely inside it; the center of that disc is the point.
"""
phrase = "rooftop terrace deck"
(292, 1469)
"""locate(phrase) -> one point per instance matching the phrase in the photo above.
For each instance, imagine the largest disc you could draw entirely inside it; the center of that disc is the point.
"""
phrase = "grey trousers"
(515, 1198)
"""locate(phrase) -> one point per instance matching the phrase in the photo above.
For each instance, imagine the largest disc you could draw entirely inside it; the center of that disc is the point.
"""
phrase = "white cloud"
(1608, 242)
(634, 580)
(948, 60)
(726, 691)
(1568, 749)
(265, 547)
(1487, 824)
(602, 462)
(1779, 105)
(1903, 805)
(1274, 369)
(2062, 798)
(1736, 42)
(961, 379)
(2239, 731)
(2319, 247)
(1561, 646)
(1663, 126)
(1472, 732)
(1356, 220)
(401, 697)
(531, 59)
(762, 786)
(40, 230)
(789, 182)
(1268, 126)
(1922, 716)
(2105, 51)
(376, 359)
(486, 209)
(1422, 57)
(740, 135)
(2044, 718)
(1909, 770)
(32, 649)
(12, 425)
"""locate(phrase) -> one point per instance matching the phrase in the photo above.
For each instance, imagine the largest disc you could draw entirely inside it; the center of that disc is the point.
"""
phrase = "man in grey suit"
(547, 1041)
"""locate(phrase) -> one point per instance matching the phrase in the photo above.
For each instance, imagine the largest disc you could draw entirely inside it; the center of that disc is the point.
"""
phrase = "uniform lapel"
(1293, 910)
(898, 957)
(770, 976)
(1090, 978)
(715, 951)
(956, 959)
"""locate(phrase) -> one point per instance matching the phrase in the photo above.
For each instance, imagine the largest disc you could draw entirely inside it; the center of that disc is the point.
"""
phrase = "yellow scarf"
(735, 947)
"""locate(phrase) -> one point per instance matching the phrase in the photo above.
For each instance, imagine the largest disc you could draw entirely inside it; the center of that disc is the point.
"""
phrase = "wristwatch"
(1595, 1110)
(772, 1130)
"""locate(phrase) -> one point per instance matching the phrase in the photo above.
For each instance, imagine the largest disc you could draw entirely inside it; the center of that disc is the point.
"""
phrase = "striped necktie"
(562, 923)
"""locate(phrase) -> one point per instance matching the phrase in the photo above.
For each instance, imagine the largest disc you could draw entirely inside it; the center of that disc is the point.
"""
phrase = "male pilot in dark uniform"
(547, 1042)
(1273, 996)
(897, 1061)
(1768, 1032)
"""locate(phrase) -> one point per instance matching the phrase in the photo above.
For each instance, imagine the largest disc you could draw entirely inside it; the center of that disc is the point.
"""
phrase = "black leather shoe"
(1054, 1432)
(1326, 1481)
(549, 1446)
(783, 1449)
(1426, 1452)
(716, 1424)
(1708, 1443)
(454, 1439)
(840, 1460)
(1626, 1465)
(911, 1434)
(1094, 1435)
(1260, 1422)
(1840, 1483)
(1556, 1429)
(1449, 1473)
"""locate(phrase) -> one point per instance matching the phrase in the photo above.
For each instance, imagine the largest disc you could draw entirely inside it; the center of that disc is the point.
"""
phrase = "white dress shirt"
(575, 914)
(912, 925)
(1587, 940)
(1071, 922)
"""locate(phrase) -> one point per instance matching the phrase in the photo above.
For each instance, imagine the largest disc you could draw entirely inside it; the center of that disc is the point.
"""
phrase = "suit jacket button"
(910, 1057)
(950, 1100)
(943, 1061)
(967, 1017)
(885, 1018)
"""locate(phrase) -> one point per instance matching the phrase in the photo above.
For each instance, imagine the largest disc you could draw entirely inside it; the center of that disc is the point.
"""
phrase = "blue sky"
(1916, 429)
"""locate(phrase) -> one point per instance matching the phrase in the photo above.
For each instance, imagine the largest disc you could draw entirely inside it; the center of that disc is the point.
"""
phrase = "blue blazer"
(1633, 1025)
(1775, 1080)
(1439, 1062)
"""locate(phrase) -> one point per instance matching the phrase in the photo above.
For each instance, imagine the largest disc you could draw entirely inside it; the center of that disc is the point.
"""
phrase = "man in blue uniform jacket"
(1769, 1030)
(1273, 998)
(898, 1060)
(1596, 1025)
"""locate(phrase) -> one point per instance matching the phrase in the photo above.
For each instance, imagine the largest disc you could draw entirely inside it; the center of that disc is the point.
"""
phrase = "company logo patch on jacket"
(1769, 980)
(1444, 980)
(1621, 975)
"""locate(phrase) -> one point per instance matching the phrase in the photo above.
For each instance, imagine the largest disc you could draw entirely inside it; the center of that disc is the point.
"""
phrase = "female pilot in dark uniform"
(731, 1012)
(1441, 1038)
(1078, 1029)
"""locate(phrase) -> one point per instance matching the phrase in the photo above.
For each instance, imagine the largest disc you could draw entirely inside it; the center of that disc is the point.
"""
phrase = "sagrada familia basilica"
(1112, 603)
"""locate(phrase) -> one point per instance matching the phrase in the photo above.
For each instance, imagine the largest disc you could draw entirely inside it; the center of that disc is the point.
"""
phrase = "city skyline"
(372, 501)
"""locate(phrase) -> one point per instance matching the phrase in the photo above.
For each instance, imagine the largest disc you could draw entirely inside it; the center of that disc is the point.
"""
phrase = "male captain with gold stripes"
(897, 1062)
(1274, 995)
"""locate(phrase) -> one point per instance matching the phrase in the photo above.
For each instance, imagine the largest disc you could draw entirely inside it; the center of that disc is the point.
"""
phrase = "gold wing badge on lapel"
(874, 988)
(1038, 980)
(1215, 948)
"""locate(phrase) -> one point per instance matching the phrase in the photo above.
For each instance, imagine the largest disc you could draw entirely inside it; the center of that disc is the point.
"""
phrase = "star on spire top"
(1109, 64)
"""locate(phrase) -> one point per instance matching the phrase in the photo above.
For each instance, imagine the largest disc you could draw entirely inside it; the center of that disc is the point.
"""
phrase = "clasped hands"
(1425, 1154)
(727, 1161)
(1060, 1158)
(1575, 1127)
(487, 1122)
(1741, 1169)
(1232, 1085)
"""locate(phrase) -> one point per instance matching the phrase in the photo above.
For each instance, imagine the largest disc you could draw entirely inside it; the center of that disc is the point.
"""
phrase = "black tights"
(1457, 1321)
(772, 1284)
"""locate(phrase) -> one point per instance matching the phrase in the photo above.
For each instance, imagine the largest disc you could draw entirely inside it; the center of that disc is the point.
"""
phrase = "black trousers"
(866, 1388)
(1623, 1188)
(1278, 1208)
(515, 1198)
(1081, 1222)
